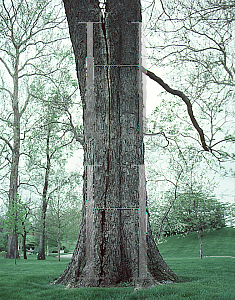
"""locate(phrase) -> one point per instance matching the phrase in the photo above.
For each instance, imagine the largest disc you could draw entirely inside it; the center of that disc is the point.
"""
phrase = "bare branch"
(186, 101)
(230, 139)
(159, 133)
(78, 138)
(32, 185)
(6, 66)
(172, 203)
(6, 90)
(7, 142)
(60, 147)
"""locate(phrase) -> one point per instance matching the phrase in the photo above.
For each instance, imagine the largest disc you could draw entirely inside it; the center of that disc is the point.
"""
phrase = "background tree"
(64, 210)
(198, 58)
(46, 147)
(23, 41)
(178, 183)
(16, 220)
(230, 214)
(3, 236)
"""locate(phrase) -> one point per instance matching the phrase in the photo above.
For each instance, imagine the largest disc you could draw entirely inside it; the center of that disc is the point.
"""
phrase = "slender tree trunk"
(58, 246)
(24, 244)
(58, 233)
(113, 146)
(47, 249)
(12, 247)
(16, 242)
(41, 251)
(200, 243)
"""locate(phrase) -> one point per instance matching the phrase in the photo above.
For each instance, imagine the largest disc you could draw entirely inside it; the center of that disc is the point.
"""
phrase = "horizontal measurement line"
(98, 22)
(119, 165)
(89, 22)
(116, 208)
(116, 65)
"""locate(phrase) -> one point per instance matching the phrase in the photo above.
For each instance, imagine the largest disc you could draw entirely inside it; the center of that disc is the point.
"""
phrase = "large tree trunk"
(113, 147)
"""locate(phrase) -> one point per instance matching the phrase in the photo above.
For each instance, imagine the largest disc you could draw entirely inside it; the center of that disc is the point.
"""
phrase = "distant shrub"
(30, 245)
(53, 250)
(2, 247)
(2, 253)
(66, 250)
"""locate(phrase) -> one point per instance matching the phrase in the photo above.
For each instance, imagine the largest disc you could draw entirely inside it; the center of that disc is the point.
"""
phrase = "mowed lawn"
(210, 278)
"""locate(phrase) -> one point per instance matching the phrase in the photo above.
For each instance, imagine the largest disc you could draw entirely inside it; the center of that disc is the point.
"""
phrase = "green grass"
(219, 242)
(210, 278)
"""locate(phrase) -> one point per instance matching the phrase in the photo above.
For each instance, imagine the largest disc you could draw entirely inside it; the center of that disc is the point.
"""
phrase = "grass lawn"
(210, 278)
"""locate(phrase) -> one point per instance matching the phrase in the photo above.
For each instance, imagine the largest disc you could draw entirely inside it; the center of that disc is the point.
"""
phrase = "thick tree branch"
(186, 101)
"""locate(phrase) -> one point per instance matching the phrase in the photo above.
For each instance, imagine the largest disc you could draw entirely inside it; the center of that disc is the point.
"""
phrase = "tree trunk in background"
(13, 190)
(58, 246)
(24, 244)
(200, 243)
(58, 232)
(41, 251)
(115, 147)
(12, 246)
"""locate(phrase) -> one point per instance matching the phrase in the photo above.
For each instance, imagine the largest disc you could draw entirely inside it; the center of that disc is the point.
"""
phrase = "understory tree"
(16, 221)
(48, 145)
(64, 208)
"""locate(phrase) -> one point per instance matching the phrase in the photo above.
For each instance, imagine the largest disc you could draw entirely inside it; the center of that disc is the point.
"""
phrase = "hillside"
(220, 242)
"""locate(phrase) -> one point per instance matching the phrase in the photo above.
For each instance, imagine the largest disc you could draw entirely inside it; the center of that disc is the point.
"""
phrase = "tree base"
(137, 283)
(144, 283)
(77, 273)
(41, 257)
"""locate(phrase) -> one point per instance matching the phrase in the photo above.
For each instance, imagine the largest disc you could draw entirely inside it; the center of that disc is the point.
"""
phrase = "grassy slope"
(218, 242)
(209, 278)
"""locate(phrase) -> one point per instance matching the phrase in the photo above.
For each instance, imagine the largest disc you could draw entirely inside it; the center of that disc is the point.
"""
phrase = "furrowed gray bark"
(113, 145)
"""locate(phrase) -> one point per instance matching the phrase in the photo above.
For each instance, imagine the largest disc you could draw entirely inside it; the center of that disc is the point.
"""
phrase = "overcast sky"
(226, 189)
